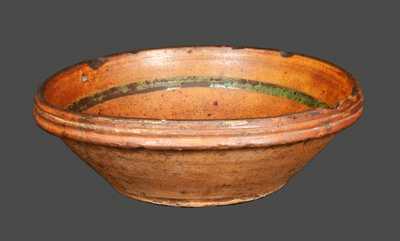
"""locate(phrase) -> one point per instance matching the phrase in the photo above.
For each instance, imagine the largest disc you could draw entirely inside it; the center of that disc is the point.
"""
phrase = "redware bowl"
(198, 126)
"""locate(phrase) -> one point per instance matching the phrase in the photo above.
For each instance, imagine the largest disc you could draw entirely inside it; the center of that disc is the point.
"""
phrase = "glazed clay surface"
(198, 177)
(198, 126)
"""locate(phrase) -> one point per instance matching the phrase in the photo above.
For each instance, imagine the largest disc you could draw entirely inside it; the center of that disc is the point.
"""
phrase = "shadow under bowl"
(198, 126)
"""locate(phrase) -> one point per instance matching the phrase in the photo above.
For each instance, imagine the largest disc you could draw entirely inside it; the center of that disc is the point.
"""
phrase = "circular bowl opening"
(197, 89)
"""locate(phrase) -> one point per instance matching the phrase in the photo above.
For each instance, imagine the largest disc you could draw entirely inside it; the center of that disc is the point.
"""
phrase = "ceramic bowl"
(198, 126)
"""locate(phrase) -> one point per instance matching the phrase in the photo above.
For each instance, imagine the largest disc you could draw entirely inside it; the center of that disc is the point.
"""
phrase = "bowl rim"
(197, 134)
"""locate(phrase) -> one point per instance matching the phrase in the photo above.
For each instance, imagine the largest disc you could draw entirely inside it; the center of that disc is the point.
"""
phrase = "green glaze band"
(196, 81)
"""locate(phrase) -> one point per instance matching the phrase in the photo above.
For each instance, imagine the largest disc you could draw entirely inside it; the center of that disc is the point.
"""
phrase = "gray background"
(349, 191)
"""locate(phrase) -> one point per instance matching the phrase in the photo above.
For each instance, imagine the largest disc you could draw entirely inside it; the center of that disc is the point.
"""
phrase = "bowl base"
(198, 203)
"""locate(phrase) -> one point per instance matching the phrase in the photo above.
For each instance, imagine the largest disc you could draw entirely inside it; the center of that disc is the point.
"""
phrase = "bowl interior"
(198, 83)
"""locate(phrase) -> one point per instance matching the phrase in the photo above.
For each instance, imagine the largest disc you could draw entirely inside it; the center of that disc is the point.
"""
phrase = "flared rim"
(198, 134)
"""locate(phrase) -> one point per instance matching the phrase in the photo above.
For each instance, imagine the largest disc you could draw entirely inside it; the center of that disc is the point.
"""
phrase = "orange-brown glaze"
(197, 103)
(198, 178)
(307, 75)
(230, 157)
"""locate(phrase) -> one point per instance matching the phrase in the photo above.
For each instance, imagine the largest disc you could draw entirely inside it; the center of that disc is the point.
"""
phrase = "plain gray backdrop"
(350, 190)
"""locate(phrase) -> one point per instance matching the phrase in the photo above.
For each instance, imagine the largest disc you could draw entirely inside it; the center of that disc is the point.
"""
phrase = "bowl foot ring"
(198, 203)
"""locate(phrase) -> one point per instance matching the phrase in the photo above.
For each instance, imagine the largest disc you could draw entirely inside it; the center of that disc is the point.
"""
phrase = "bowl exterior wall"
(195, 178)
